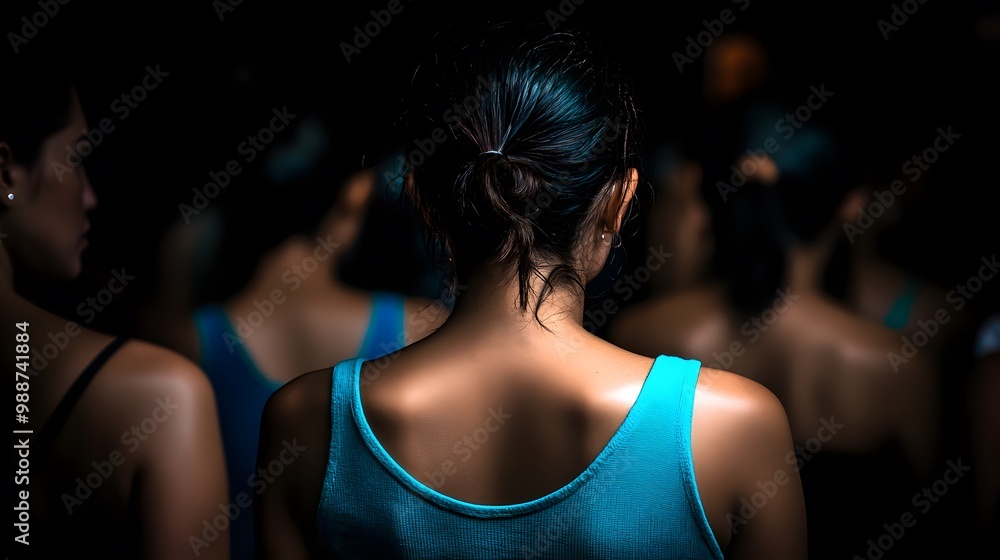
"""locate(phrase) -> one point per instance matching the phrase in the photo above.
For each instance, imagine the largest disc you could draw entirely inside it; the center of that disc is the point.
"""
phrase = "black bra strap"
(60, 415)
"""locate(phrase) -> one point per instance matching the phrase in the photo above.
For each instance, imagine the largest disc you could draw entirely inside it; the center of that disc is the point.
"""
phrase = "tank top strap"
(56, 422)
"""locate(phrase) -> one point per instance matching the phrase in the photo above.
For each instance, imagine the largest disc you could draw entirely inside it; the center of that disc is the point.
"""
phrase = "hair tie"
(492, 152)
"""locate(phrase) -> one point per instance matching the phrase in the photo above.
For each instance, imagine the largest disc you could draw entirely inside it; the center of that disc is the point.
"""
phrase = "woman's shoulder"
(726, 397)
(815, 321)
(132, 389)
(296, 403)
(731, 391)
(142, 378)
(297, 420)
(148, 365)
(738, 410)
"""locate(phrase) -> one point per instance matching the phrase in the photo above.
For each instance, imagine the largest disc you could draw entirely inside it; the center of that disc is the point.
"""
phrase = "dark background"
(226, 75)
(938, 69)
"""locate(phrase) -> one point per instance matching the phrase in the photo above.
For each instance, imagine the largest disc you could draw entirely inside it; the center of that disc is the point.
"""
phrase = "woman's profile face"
(46, 221)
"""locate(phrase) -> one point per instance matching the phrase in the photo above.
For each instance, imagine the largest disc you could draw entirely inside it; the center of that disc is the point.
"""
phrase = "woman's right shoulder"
(740, 410)
(736, 394)
(741, 443)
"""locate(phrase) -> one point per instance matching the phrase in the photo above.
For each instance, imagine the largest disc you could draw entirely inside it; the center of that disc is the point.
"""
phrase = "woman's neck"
(489, 303)
(15, 307)
(807, 263)
(296, 263)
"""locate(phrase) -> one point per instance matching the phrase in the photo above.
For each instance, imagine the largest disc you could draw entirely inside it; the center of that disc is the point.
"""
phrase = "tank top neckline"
(244, 355)
(488, 510)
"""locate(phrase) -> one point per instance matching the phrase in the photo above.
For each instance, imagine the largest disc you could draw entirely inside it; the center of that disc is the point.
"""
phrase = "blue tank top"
(241, 391)
(638, 499)
(899, 315)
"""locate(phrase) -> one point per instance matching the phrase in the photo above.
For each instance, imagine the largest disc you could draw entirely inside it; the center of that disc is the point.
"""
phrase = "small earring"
(10, 196)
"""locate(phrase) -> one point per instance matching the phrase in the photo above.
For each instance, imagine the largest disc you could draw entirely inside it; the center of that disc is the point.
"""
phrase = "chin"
(66, 274)
(69, 270)
(75, 267)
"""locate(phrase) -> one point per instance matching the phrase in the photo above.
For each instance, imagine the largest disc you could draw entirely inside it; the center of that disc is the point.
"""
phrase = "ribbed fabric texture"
(638, 499)
(241, 391)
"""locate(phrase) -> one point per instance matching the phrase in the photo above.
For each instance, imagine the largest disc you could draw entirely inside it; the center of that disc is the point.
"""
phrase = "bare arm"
(778, 529)
(744, 457)
(181, 480)
(295, 431)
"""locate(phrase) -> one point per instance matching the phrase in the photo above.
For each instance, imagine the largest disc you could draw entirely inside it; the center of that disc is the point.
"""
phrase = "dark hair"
(818, 170)
(520, 135)
(32, 112)
(292, 188)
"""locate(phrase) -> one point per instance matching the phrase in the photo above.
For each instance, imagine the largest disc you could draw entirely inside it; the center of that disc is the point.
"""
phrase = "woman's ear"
(621, 197)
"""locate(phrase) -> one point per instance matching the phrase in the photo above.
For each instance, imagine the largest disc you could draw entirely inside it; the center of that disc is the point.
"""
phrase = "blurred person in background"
(781, 317)
(292, 311)
(125, 451)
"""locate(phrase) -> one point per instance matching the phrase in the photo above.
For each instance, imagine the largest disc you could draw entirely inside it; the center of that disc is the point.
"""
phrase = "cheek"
(58, 209)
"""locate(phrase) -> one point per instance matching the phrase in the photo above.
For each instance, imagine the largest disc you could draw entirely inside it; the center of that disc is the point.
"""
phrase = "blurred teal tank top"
(638, 499)
(241, 391)
(899, 314)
